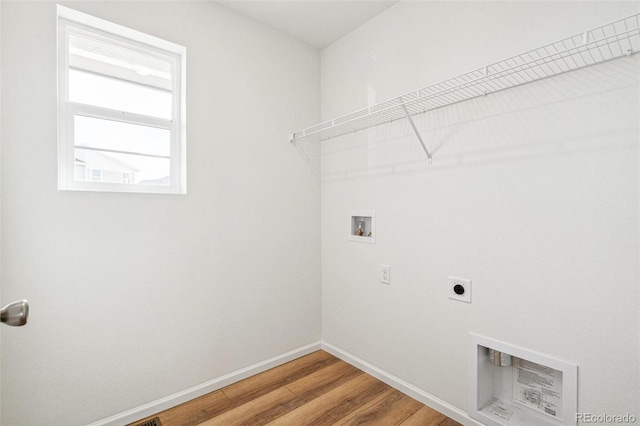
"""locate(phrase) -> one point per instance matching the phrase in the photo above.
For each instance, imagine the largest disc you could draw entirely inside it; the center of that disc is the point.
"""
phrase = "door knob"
(15, 313)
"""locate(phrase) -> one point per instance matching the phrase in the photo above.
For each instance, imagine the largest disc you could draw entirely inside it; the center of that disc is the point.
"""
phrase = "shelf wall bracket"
(415, 130)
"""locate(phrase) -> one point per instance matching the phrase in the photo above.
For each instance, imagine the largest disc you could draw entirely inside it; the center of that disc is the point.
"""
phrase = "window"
(121, 108)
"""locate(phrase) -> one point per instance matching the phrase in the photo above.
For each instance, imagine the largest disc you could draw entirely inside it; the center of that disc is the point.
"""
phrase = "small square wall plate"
(459, 289)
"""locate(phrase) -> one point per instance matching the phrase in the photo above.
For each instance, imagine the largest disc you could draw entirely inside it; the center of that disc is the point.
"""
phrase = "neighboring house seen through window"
(121, 108)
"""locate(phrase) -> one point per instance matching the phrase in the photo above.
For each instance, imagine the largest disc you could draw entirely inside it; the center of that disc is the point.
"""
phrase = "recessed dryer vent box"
(363, 226)
(509, 385)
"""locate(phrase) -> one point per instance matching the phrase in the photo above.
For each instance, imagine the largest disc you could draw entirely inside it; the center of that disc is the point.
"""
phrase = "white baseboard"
(170, 401)
(404, 387)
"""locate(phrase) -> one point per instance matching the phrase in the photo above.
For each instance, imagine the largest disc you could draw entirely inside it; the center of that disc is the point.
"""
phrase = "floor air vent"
(152, 422)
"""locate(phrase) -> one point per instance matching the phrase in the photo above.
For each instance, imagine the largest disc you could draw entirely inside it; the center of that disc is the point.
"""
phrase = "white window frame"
(74, 22)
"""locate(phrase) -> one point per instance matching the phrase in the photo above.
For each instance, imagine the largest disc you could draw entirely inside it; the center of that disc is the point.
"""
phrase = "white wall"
(135, 297)
(0, 202)
(533, 194)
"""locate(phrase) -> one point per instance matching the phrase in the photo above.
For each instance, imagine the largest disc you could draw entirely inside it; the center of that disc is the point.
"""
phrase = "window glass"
(113, 167)
(95, 54)
(120, 136)
(108, 92)
(139, 154)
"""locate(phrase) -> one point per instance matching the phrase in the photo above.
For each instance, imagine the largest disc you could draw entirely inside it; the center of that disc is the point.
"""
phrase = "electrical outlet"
(459, 289)
(385, 274)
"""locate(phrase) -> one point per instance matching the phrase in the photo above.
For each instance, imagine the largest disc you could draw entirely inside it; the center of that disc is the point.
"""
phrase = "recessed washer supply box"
(363, 226)
(531, 389)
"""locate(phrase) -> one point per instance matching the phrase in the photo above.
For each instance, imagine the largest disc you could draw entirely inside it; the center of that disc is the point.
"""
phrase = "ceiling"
(318, 23)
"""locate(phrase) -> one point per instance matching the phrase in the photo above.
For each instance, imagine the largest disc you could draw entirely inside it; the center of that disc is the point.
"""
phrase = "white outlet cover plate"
(385, 274)
(464, 282)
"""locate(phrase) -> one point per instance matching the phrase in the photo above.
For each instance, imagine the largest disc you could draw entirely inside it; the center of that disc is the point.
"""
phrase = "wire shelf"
(615, 40)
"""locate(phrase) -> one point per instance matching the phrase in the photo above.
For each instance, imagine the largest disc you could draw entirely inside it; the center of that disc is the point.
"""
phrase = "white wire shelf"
(615, 40)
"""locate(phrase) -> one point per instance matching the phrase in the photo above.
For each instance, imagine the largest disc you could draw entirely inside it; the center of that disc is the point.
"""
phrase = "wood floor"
(317, 389)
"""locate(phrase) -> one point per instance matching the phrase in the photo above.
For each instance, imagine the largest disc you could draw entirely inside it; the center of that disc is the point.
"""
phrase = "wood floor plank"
(448, 422)
(195, 411)
(389, 409)
(259, 411)
(424, 417)
(324, 380)
(263, 383)
(334, 405)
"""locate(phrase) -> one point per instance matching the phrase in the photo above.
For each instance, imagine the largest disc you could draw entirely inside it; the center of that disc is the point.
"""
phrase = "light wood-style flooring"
(317, 389)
